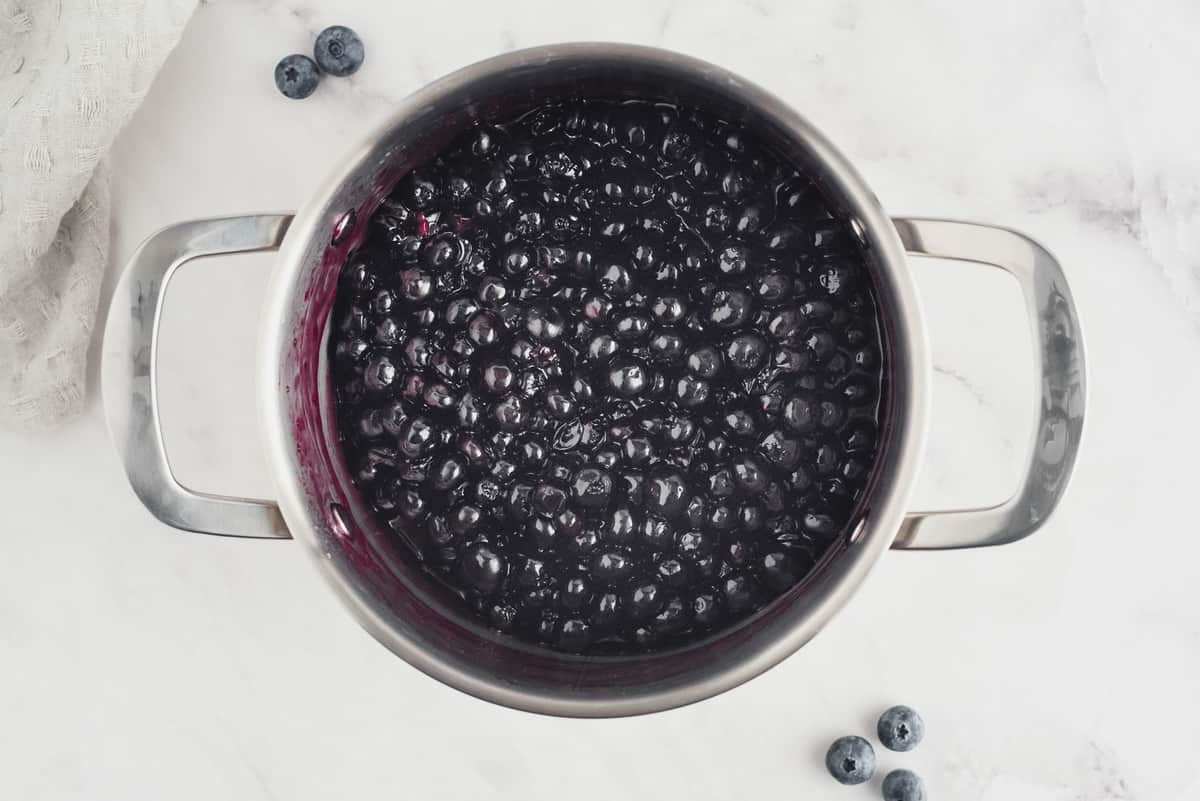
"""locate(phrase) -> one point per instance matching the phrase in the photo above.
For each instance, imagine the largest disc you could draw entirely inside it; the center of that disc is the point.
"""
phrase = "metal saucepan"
(388, 593)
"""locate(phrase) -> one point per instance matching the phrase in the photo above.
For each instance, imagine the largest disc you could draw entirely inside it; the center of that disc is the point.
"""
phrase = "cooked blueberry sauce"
(611, 371)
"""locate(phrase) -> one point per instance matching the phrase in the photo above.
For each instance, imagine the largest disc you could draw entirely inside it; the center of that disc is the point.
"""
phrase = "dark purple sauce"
(611, 371)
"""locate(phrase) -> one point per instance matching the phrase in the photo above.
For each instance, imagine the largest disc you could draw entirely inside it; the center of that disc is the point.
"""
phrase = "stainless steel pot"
(391, 597)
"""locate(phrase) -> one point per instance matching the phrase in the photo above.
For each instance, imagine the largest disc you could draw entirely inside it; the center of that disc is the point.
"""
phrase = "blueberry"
(464, 519)
(667, 345)
(638, 450)
(379, 373)
(575, 593)
(666, 494)
(568, 522)
(750, 476)
(510, 414)
(746, 352)
(296, 76)
(780, 570)
(721, 518)
(672, 617)
(705, 361)
(592, 488)
(482, 568)
(574, 635)
(544, 322)
(549, 499)
(900, 728)
(850, 760)
(903, 785)
(542, 533)
(338, 51)
(691, 391)
(627, 378)
(607, 457)
(679, 430)
(695, 544)
(615, 279)
(498, 377)
(597, 307)
(459, 311)
(417, 351)
(730, 308)
(620, 526)
(668, 308)
(560, 404)
(801, 413)
(502, 616)
(734, 259)
(721, 484)
(416, 437)
(706, 609)
(611, 567)
(656, 533)
(631, 327)
(774, 287)
(643, 600)
(443, 252)
(740, 593)
(449, 473)
(533, 452)
(484, 329)
(602, 347)
(606, 609)
(780, 449)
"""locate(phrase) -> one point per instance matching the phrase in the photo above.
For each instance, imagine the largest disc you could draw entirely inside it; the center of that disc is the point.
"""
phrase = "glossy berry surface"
(903, 785)
(611, 371)
(339, 51)
(297, 76)
(900, 728)
(850, 760)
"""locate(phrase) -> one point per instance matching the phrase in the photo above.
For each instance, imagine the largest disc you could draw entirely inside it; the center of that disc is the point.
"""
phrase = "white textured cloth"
(71, 74)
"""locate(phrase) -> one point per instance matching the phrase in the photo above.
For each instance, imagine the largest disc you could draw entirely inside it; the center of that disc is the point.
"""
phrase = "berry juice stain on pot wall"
(612, 369)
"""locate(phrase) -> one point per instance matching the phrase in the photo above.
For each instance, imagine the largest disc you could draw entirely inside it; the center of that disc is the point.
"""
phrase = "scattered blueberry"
(900, 729)
(903, 785)
(850, 760)
(297, 76)
(339, 51)
(599, 366)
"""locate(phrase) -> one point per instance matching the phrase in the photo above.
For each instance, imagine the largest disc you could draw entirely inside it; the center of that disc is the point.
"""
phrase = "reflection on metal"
(1058, 360)
(129, 375)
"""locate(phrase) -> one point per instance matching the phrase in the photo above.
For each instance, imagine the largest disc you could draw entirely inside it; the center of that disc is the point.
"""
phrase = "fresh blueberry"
(850, 760)
(339, 51)
(296, 76)
(903, 785)
(900, 729)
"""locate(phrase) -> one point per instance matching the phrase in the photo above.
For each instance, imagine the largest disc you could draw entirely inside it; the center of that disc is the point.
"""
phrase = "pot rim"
(888, 500)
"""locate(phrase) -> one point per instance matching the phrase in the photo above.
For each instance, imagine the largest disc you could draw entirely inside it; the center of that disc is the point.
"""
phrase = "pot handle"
(129, 380)
(1058, 358)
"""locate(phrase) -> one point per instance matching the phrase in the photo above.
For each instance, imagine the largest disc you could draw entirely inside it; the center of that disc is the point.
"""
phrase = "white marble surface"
(141, 663)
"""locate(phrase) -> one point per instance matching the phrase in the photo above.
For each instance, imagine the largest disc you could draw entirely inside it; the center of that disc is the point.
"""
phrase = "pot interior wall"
(413, 612)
